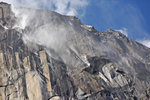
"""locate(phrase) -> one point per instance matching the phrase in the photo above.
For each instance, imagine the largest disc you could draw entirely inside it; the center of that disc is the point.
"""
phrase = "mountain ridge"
(45, 55)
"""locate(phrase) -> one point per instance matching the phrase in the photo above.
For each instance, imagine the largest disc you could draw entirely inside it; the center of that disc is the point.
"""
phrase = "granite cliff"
(48, 56)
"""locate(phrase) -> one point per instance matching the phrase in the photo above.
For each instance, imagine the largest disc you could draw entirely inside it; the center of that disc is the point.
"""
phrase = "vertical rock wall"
(24, 75)
(31, 74)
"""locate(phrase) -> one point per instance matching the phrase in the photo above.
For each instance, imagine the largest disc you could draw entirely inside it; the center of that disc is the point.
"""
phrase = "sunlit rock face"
(48, 56)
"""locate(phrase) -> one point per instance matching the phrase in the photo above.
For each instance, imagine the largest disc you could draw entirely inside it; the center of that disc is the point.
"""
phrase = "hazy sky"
(132, 17)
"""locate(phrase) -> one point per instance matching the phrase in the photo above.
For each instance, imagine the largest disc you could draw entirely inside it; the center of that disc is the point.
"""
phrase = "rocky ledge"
(79, 63)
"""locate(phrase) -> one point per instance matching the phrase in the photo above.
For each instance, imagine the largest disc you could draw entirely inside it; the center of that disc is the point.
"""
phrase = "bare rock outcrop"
(56, 57)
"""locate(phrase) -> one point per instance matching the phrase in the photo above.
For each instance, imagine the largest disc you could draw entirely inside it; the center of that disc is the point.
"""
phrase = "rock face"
(79, 63)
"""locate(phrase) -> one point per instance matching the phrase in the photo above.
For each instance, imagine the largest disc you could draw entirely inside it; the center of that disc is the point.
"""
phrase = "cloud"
(69, 7)
(65, 7)
(145, 42)
(123, 31)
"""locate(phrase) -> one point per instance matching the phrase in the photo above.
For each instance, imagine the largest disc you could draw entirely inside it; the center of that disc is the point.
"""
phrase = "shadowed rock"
(75, 62)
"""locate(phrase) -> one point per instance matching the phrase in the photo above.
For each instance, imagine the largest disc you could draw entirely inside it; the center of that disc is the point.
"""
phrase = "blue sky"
(132, 17)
